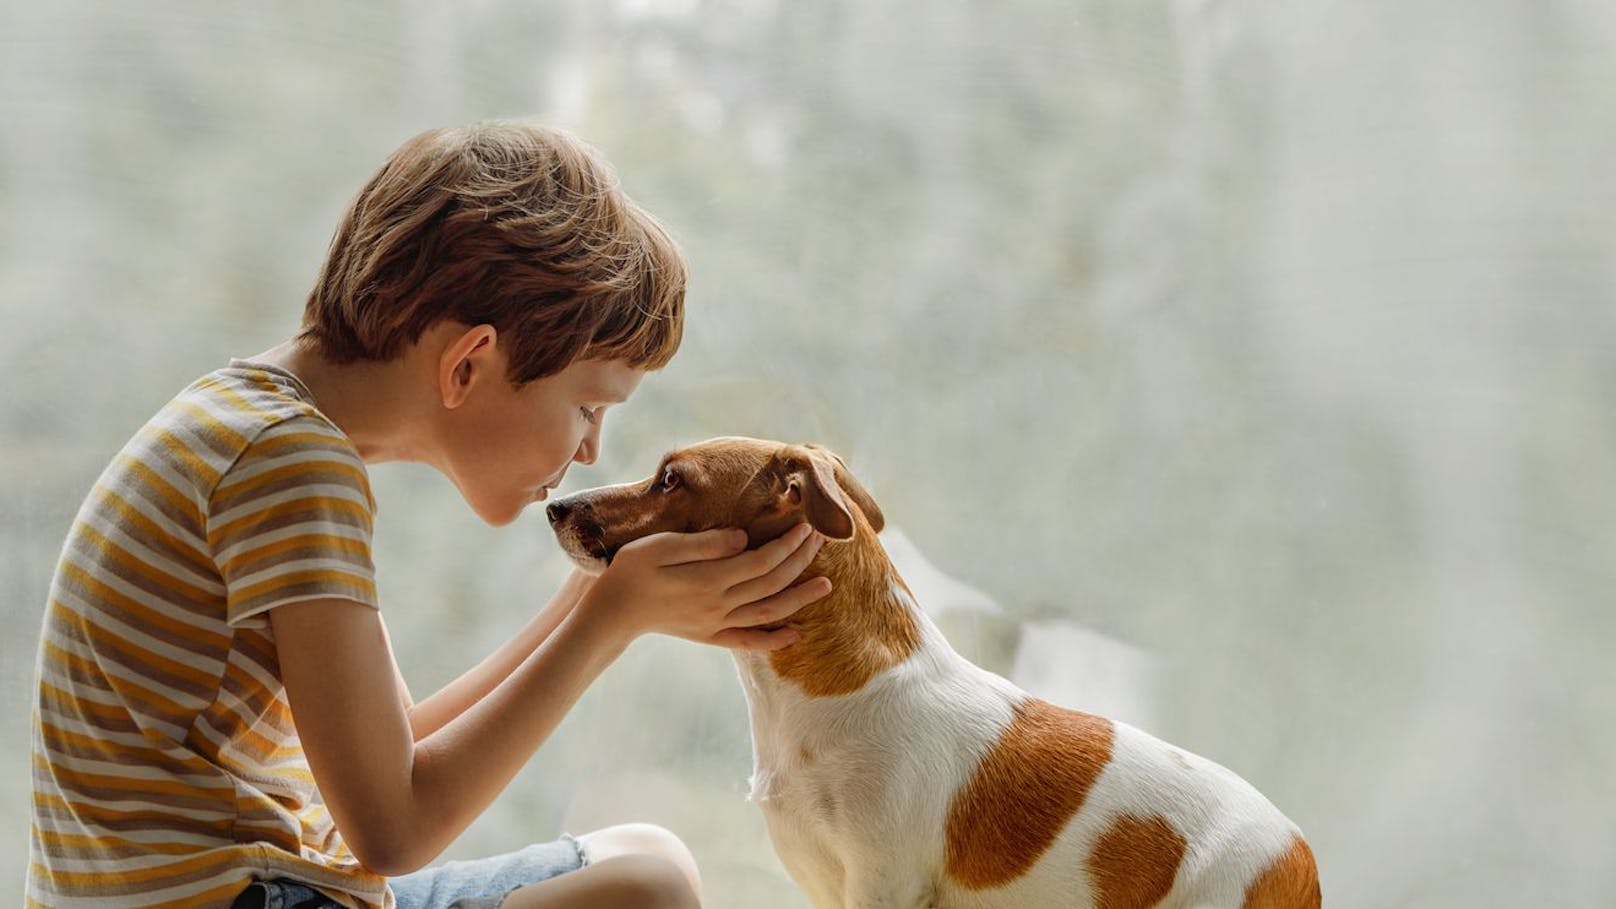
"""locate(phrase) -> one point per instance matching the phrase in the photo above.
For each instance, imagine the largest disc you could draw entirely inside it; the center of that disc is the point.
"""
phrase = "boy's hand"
(705, 587)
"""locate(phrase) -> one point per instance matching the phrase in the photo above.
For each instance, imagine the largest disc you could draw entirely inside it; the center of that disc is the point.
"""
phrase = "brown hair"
(509, 224)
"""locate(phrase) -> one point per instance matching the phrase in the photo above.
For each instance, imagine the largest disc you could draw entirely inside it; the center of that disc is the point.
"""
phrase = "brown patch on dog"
(1023, 792)
(1291, 881)
(1135, 862)
(861, 629)
(805, 755)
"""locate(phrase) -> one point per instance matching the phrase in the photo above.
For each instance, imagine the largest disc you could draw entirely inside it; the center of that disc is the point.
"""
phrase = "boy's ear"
(466, 360)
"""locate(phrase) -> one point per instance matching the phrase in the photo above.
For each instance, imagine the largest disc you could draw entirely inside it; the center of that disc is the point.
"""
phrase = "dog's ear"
(851, 485)
(810, 483)
(814, 479)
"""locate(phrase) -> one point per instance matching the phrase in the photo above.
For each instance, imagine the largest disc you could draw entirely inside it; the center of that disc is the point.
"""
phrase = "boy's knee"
(652, 881)
(625, 840)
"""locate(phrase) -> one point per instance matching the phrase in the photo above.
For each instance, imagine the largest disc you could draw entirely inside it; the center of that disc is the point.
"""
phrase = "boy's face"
(506, 447)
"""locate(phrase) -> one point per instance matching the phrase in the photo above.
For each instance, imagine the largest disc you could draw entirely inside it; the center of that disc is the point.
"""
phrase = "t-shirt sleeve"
(292, 520)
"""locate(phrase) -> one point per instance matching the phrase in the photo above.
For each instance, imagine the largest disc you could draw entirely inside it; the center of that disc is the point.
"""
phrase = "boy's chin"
(498, 514)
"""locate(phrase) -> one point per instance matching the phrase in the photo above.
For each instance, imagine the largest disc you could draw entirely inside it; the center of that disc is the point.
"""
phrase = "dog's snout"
(557, 511)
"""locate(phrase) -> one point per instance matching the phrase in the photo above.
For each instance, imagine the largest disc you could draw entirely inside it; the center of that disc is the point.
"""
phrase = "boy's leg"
(635, 881)
(642, 839)
(630, 866)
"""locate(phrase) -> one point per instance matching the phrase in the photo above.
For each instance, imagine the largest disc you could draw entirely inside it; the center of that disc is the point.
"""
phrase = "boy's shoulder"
(246, 398)
(246, 415)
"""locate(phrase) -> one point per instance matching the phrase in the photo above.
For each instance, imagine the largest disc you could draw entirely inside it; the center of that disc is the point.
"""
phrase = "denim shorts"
(474, 884)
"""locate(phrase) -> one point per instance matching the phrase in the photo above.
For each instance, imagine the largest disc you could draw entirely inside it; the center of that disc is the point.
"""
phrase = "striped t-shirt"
(166, 770)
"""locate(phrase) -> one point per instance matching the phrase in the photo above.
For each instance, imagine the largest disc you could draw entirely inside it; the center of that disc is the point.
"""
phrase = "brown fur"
(859, 631)
(1023, 792)
(1291, 882)
(1134, 864)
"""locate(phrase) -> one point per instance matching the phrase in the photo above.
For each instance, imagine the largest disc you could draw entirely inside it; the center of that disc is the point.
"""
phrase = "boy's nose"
(588, 447)
(557, 511)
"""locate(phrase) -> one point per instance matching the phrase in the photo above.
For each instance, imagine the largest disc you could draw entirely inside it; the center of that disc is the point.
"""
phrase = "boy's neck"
(377, 405)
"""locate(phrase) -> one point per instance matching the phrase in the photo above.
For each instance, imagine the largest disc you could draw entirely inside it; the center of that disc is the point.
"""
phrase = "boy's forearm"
(460, 768)
(453, 699)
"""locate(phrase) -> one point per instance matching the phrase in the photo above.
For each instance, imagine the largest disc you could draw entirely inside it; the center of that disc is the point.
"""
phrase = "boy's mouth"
(543, 492)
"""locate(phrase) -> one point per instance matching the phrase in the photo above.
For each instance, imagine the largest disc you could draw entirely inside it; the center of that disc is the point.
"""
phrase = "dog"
(894, 773)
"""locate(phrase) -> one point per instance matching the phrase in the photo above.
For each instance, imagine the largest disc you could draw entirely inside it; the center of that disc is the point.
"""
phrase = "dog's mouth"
(592, 539)
(585, 542)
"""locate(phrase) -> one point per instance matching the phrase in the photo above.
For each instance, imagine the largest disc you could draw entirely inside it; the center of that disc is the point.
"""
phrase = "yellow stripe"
(133, 786)
(112, 552)
(216, 896)
(84, 745)
(165, 819)
(243, 488)
(240, 401)
(90, 845)
(135, 523)
(86, 708)
(274, 441)
(161, 488)
(111, 643)
(218, 536)
(320, 577)
(269, 751)
(125, 876)
(190, 462)
(325, 543)
(210, 423)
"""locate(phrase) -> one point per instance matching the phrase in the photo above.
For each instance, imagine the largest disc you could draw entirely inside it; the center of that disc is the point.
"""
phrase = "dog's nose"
(557, 511)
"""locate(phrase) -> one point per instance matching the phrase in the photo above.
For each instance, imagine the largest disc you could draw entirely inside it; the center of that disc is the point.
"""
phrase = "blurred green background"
(1275, 341)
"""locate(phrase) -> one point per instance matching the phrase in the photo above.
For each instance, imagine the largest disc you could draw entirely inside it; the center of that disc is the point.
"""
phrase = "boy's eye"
(590, 415)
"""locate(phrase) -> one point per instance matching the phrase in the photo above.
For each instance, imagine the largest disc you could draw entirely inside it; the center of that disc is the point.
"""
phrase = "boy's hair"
(511, 224)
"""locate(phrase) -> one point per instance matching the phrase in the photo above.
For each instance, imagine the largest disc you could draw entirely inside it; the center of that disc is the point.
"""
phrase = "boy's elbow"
(390, 863)
(389, 853)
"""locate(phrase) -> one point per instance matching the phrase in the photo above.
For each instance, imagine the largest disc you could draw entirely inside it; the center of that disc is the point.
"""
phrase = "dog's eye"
(670, 480)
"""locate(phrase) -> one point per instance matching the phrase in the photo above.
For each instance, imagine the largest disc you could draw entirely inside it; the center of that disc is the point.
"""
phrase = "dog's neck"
(866, 625)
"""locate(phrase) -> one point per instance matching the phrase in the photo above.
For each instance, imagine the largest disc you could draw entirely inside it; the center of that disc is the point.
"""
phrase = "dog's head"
(759, 486)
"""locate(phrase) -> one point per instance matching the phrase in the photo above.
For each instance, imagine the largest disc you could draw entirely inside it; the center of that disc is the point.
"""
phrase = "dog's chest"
(827, 788)
(871, 773)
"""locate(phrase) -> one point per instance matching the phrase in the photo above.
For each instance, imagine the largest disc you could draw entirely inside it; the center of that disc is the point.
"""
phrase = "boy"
(488, 295)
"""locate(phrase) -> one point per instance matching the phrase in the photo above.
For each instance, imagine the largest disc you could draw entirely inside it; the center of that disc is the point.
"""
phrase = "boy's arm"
(399, 802)
(452, 700)
(403, 687)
